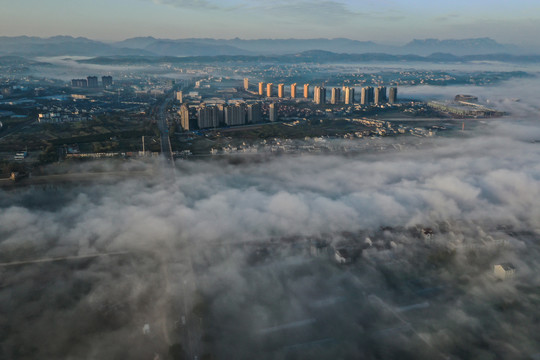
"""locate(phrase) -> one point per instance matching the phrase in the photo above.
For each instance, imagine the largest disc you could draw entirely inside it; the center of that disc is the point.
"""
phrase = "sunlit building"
(319, 95)
(349, 95)
(269, 89)
(179, 97)
(281, 90)
(380, 95)
(184, 117)
(293, 91)
(306, 91)
(367, 95)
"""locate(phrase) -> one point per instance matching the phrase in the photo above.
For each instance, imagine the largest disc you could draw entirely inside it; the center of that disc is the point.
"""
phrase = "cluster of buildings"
(231, 114)
(344, 95)
(46, 118)
(238, 112)
(92, 82)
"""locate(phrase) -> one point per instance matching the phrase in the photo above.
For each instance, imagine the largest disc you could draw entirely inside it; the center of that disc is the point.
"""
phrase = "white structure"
(504, 271)
(146, 329)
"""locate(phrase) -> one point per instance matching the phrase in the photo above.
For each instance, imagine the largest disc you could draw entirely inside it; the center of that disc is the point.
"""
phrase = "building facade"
(207, 117)
(392, 95)
(349, 95)
(254, 113)
(273, 112)
(367, 95)
(184, 117)
(92, 81)
(281, 90)
(319, 95)
(336, 96)
(306, 91)
(269, 89)
(380, 95)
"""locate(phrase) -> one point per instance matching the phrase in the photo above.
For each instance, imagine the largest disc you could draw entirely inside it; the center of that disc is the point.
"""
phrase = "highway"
(180, 324)
(161, 114)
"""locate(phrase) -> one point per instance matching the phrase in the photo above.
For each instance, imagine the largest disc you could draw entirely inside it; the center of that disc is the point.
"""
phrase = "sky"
(385, 21)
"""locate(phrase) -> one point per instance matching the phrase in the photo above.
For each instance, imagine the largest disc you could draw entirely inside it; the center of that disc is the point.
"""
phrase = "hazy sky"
(390, 21)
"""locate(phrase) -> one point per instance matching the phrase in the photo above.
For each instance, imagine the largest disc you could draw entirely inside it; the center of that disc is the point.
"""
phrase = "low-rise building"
(504, 271)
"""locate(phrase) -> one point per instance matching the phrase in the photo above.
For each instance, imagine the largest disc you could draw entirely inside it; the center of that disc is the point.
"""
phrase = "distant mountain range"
(311, 56)
(149, 46)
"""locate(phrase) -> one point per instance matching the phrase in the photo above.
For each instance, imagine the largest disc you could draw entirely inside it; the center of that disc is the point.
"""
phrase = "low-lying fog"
(237, 256)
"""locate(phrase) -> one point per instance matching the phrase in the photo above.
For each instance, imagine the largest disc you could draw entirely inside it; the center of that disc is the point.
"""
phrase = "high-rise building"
(261, 88)
(221, 113)
(235, 114)
(227, 115)
(281, 90)
(79, 83)
(336, 96)
(367, 95)
(207, 117)
(392, 95)
(349, 95)
(273, 112)
(371, 94)
(293, 91)
(239, 114)
(179, 97)
(380, 95)
(92, 81)
(246, 84)
(184, 117)
(254, 113)
(106, 81)
(269, 89)
(319, 95)
(306, 91)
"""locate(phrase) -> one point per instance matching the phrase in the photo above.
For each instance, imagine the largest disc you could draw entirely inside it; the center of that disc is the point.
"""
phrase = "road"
(166, 147)
(179, 324)
(61, 258)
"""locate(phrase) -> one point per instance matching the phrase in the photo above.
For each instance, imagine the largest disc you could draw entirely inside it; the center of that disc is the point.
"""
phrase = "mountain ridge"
(150, 46)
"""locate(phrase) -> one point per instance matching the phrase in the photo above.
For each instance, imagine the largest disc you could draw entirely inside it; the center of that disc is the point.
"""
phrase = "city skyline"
(382, 22)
